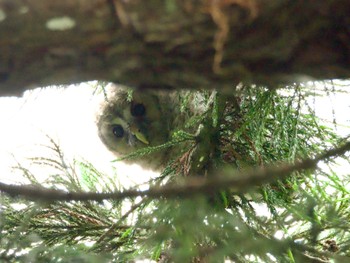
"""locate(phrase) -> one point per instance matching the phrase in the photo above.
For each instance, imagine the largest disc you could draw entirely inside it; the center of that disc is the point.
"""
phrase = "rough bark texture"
(172, 43)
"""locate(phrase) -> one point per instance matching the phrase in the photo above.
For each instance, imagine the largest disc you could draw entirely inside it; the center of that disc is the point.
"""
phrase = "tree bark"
(172, 43)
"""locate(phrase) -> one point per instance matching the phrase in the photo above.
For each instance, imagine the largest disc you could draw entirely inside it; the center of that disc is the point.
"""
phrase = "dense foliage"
(302, 217)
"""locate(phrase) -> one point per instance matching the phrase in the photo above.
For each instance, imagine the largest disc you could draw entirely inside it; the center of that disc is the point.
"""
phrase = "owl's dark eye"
(138, 110)
(118, 131)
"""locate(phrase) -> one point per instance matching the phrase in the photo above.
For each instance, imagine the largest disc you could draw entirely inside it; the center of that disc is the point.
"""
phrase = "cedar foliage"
(305, 216)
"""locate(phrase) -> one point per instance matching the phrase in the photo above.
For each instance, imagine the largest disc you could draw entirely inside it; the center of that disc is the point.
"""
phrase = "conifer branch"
(239, 182)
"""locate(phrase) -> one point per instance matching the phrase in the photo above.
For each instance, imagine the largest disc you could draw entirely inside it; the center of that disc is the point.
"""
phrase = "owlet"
(132, 119)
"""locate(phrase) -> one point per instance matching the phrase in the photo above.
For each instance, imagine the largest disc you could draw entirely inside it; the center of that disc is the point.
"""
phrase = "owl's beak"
(138, 134)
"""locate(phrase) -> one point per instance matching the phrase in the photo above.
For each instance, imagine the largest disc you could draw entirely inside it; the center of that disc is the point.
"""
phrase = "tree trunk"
(172, 43)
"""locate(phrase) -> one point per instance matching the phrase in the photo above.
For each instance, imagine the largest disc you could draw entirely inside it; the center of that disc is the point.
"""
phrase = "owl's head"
(132, 120)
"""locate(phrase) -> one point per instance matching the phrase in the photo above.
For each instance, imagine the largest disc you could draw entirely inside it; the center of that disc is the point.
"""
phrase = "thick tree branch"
(171, 44)
(191, 186)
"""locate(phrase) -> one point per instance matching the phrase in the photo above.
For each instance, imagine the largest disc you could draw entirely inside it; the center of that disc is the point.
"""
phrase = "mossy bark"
(172, 43)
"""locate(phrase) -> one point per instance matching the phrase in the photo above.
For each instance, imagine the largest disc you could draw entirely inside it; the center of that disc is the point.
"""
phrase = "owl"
(130, 120)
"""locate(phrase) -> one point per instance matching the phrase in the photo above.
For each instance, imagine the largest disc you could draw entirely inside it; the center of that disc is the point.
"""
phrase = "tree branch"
(239, 182)
(186, 44)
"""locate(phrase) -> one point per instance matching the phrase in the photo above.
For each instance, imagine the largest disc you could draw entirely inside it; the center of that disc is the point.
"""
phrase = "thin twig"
(116, 224)
(188, 187)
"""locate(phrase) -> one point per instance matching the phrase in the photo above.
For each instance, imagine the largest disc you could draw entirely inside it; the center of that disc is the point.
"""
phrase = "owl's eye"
(118, 131)
(138, 110)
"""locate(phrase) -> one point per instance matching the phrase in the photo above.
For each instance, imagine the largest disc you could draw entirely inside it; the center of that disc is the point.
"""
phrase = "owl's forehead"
(144, 97)
(126, 97)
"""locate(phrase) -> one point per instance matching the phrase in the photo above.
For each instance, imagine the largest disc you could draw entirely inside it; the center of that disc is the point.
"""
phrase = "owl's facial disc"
(129, 132)
(131, 122)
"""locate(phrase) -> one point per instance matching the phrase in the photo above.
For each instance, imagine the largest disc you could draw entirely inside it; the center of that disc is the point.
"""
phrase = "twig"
(116, 224)
(188, 187)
